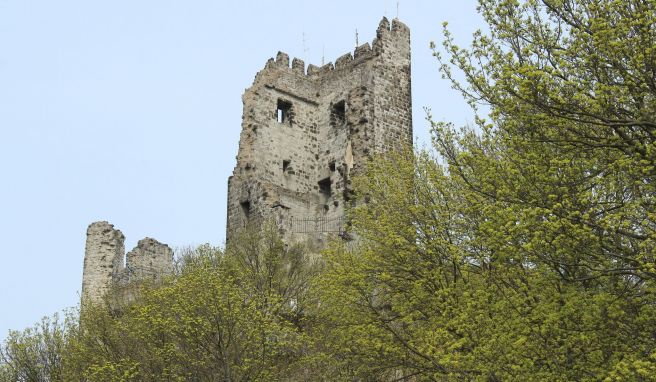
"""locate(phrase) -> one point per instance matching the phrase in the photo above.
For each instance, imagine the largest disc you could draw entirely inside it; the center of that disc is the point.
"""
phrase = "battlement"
(396, 30)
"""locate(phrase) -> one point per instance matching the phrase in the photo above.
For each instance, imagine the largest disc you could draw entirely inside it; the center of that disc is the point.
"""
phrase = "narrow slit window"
(285, 164)
(331, 166)
(338, 113)
(246, 209)
(283, 111)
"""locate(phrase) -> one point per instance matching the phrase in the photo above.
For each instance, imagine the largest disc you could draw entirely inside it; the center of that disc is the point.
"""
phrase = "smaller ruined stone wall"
(150, 259)
(105, 264)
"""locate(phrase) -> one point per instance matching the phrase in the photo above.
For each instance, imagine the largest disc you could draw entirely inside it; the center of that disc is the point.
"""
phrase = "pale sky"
(130, 111)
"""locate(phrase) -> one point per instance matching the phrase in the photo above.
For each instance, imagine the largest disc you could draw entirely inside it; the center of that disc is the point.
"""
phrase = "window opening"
(285, 164)
(246, 209)
(331, 166)
(283, 111)
(338, 113)
(325, 187)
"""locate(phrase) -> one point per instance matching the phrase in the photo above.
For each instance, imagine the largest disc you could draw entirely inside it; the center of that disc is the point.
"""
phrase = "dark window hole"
(246, 208)
(338, 113)
(283, 111)
(325, 187)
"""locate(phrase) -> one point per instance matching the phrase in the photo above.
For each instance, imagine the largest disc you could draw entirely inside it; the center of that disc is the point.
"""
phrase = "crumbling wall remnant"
(106, 265)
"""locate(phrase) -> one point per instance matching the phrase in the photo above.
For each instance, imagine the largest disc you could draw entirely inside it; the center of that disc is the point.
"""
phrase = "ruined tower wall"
(104, 259)
(150, 259)
(303, 133)
(392, 90)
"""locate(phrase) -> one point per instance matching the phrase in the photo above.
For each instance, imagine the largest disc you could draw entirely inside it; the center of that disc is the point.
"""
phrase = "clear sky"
(130, 111)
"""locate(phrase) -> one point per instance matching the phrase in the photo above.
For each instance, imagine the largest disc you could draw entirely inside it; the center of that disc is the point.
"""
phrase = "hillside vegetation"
(517, 249)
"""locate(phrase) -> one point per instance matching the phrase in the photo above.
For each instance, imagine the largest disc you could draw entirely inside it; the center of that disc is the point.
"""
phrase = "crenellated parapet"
(394, 31)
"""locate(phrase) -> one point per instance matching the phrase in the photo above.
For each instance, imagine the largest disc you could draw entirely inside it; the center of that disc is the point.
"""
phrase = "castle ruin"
(305, 133)
(106, 265)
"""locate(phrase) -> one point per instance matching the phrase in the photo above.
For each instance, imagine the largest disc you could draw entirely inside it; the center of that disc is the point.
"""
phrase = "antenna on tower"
(323, 55)
(385, 14)
(356, 38)
(397, 9)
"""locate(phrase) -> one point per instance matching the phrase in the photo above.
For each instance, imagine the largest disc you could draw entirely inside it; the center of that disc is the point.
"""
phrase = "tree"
(524, 250)
(572, 91)
(36, 354)
(233, 315)
(279, 273)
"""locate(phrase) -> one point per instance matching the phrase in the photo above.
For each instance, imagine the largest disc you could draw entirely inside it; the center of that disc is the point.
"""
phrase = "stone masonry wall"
(305, 132)
(103, 260)
(150, 259)
(104, 257)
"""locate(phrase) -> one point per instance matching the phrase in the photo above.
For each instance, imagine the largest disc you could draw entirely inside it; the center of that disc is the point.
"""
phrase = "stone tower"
(305, 133)
(106, 266)
(103, 260)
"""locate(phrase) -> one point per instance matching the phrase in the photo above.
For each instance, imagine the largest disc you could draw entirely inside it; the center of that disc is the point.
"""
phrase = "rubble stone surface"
(305, 133)
(106, 265)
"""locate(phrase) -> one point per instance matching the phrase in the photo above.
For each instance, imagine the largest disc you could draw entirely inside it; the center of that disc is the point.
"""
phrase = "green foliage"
(523, 248)
(36, 354)
(238, 314)
(571, 123)
(442, 287)
(229, 315)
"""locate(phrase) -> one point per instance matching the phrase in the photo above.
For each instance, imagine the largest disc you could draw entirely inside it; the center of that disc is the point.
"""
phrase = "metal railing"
(301, 225)
(317, 225)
